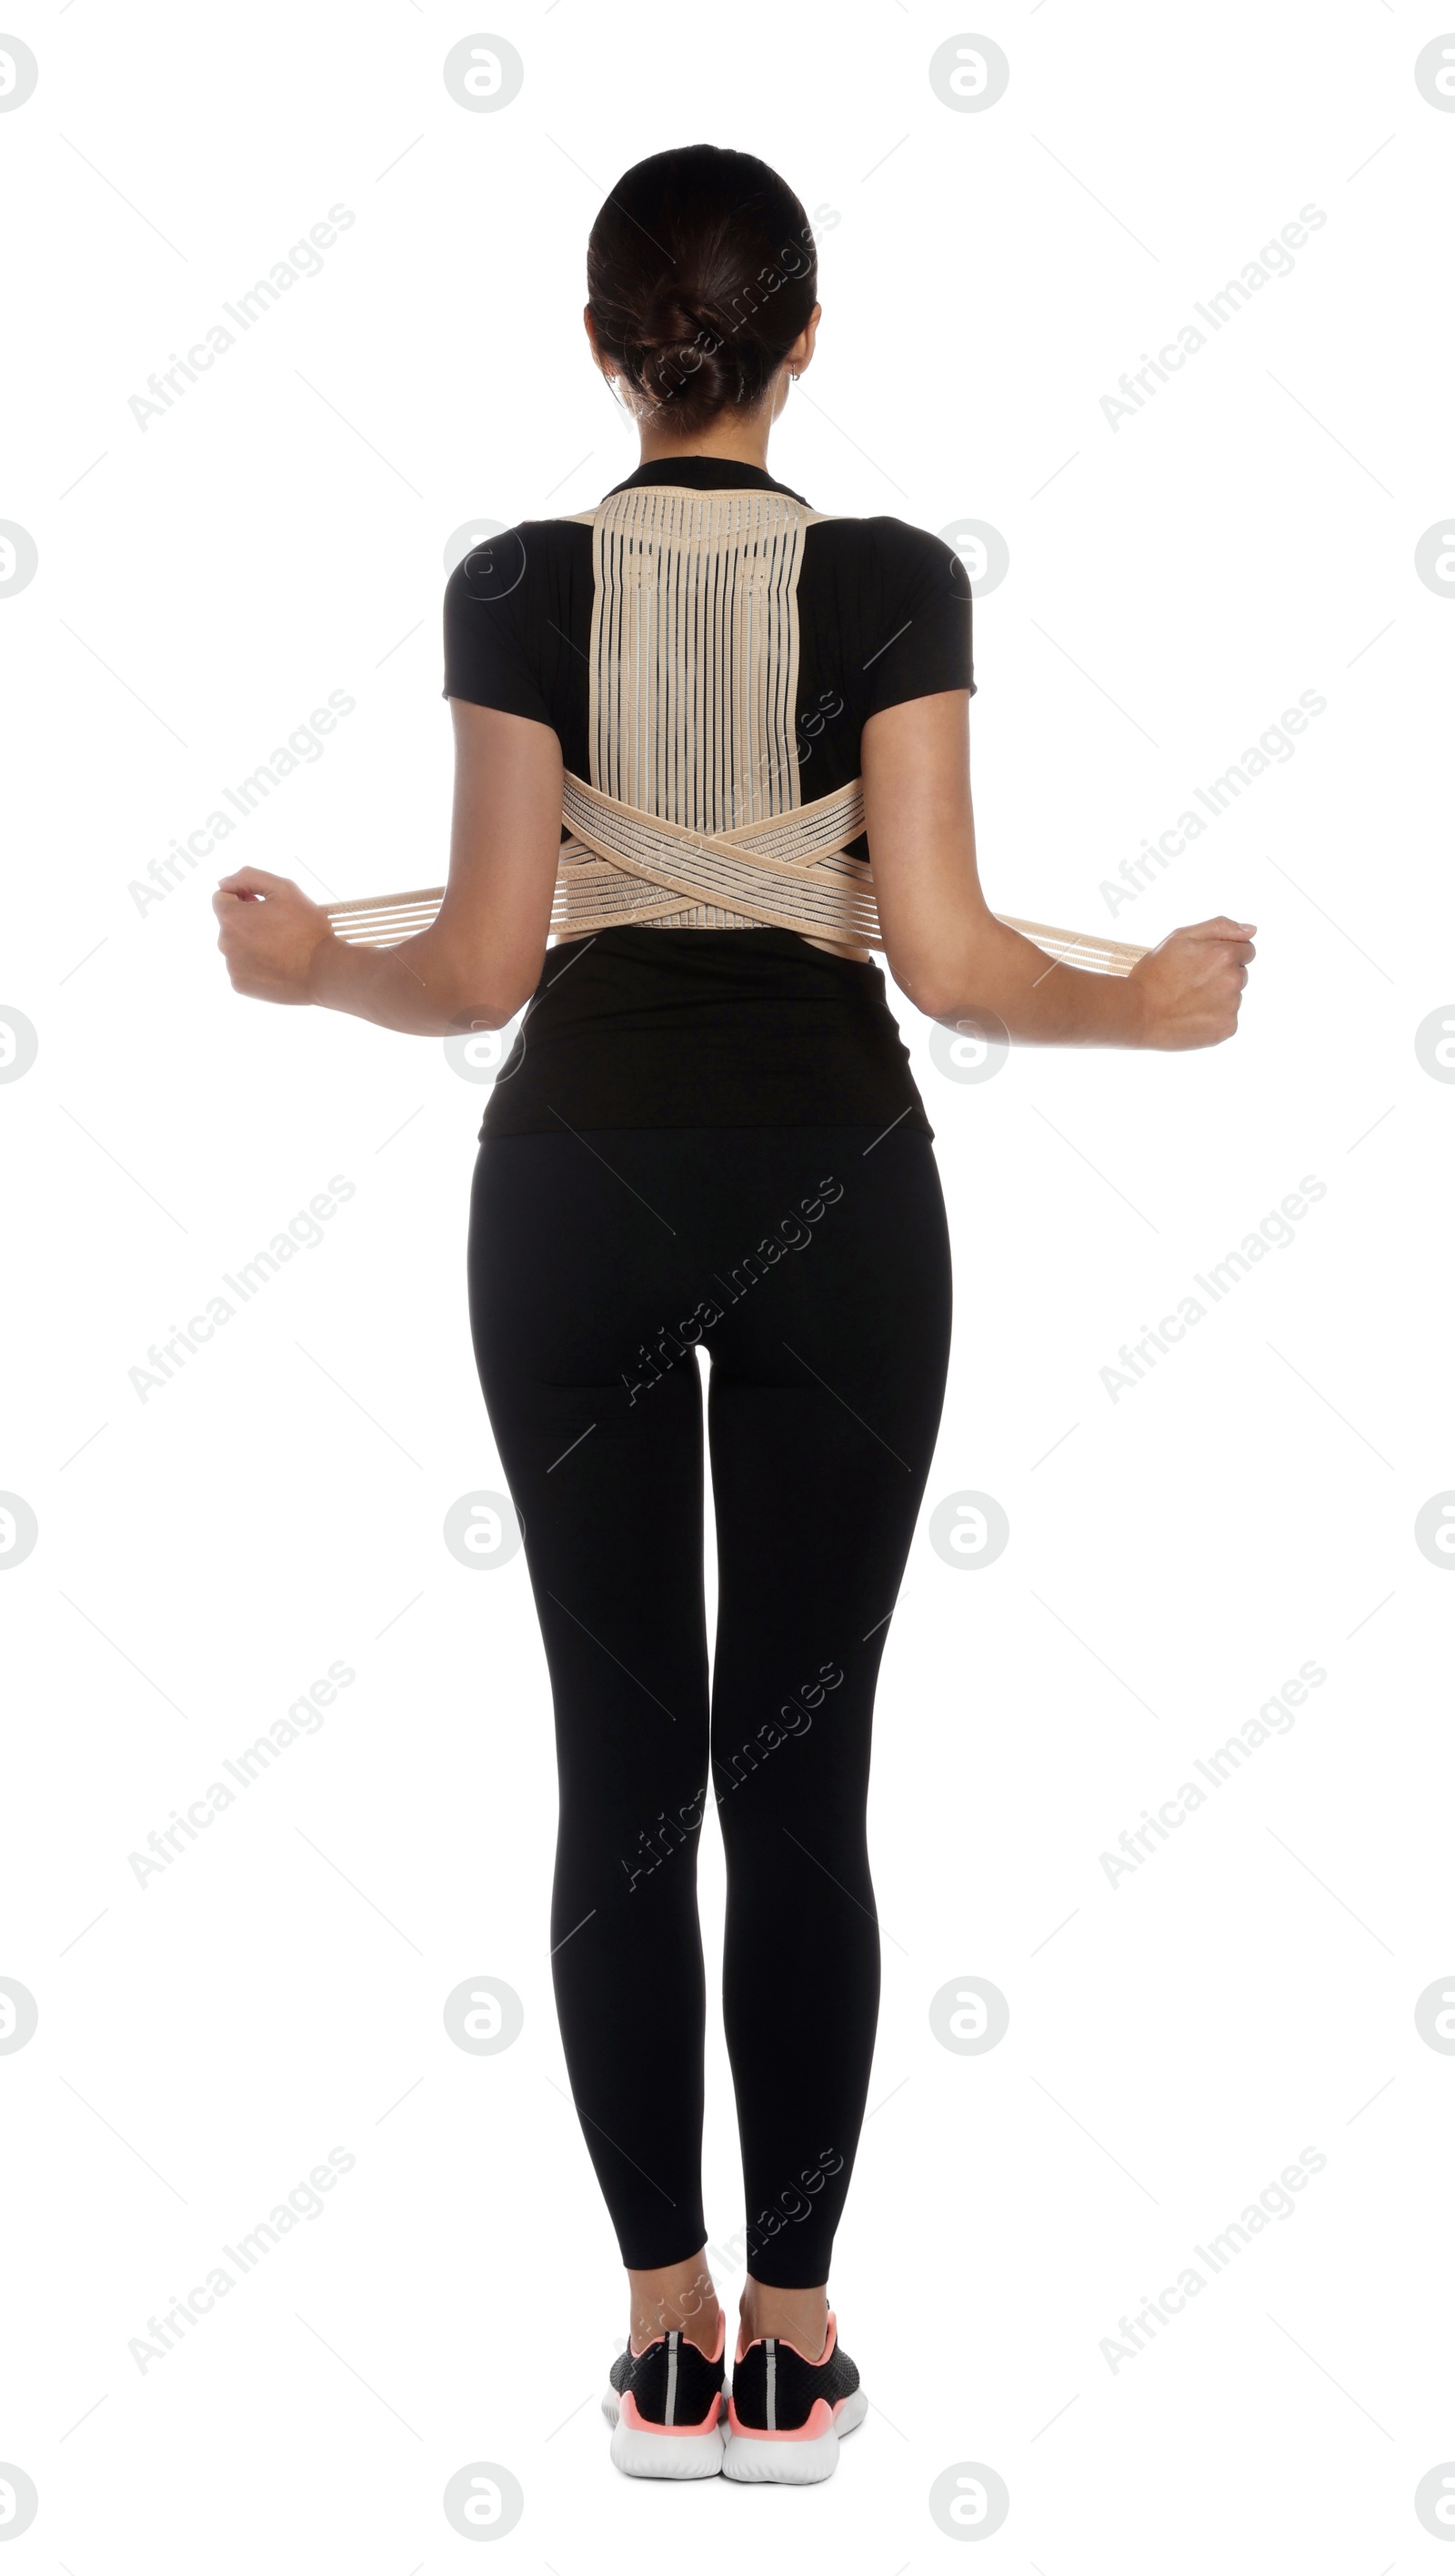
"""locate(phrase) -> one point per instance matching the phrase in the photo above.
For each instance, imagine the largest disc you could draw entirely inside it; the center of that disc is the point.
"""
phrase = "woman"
(707, 1133)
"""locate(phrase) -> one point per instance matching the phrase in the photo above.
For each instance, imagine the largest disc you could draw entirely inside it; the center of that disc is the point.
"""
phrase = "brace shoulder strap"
(587, 518)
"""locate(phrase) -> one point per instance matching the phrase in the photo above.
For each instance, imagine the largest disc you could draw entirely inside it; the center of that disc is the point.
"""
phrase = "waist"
(649, 1027)
(696, 966)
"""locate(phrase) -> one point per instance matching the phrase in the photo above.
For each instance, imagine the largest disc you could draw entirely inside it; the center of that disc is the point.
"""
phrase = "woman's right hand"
(1190, 985)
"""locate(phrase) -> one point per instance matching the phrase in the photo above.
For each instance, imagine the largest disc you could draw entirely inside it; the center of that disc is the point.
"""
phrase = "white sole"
(640, 2453)
(761, 2463)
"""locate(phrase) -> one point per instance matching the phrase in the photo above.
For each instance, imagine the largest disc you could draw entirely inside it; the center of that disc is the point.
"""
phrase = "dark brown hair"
(701, 272)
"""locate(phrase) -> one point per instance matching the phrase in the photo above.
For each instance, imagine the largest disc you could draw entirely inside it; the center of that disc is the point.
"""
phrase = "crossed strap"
(622, 867)
(787, 872)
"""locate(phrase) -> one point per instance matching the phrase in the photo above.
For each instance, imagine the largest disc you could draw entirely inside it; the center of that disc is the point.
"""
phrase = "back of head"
(700, 274)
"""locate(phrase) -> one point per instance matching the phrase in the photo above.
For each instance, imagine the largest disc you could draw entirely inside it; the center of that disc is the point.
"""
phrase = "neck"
(742, 441)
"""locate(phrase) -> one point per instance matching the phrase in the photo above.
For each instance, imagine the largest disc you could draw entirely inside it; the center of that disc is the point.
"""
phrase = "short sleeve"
(928, 647)
(487, 659)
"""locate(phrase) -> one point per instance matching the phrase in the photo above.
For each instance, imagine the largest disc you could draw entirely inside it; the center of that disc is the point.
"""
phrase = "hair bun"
(728, 224)
(671, 321)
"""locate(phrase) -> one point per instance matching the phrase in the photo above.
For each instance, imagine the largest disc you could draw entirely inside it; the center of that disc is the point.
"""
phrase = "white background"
(1176, 2039)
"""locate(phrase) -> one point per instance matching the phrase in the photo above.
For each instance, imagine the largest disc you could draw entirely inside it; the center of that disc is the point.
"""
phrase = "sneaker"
(665, 2404)
(786, 2414)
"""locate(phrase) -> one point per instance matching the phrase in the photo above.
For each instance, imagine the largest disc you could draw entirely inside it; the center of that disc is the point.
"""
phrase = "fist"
(270, 933)
(1191, 985)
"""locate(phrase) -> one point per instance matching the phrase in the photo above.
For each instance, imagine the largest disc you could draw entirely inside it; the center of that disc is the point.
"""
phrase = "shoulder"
(898, 601)
(516, 613)
(510, 561)
(896, 550)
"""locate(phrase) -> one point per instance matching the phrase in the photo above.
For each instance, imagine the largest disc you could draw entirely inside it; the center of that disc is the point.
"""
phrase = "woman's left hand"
(270, 935)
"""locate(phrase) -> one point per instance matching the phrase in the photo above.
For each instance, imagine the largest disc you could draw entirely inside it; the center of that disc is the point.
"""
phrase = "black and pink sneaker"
(664, 2405)
(786, 2414)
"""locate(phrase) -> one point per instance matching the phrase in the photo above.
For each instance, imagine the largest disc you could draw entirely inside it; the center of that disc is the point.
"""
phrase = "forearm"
(994, 971)
(404, 988)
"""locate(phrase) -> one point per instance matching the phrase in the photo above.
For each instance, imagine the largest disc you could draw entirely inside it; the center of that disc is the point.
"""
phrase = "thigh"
(570, 1271)
(827, 1385)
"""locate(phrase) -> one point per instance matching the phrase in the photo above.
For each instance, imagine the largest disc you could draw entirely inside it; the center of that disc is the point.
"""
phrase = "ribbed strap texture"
(694, 653)
(788, 871)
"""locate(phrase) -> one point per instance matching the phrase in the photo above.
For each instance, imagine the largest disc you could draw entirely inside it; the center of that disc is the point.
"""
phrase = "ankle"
(702, 2326)
(680, 2297)
(799, 2317)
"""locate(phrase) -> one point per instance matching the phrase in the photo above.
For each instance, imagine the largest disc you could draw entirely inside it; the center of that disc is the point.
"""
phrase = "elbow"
(489, 1000)
(936, 1000)
(924, 982)
(496, 1011)
(950, 971)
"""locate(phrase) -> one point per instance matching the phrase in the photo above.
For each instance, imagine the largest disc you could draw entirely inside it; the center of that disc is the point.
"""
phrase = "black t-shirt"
(711, 1028)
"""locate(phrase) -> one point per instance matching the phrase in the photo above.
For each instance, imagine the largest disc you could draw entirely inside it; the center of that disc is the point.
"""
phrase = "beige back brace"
(692, 818)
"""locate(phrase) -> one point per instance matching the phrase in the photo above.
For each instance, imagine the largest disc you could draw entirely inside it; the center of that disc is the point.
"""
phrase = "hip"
(748, 1237)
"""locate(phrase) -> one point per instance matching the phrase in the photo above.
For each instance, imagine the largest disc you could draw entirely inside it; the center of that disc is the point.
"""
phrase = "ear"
(592, 339)
(799, 356)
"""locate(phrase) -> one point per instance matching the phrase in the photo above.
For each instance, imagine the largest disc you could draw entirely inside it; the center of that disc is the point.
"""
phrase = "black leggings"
(813, 1265)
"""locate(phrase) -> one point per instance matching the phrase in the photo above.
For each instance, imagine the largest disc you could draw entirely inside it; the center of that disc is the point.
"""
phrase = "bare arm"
(480, 959)
(948, 952)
